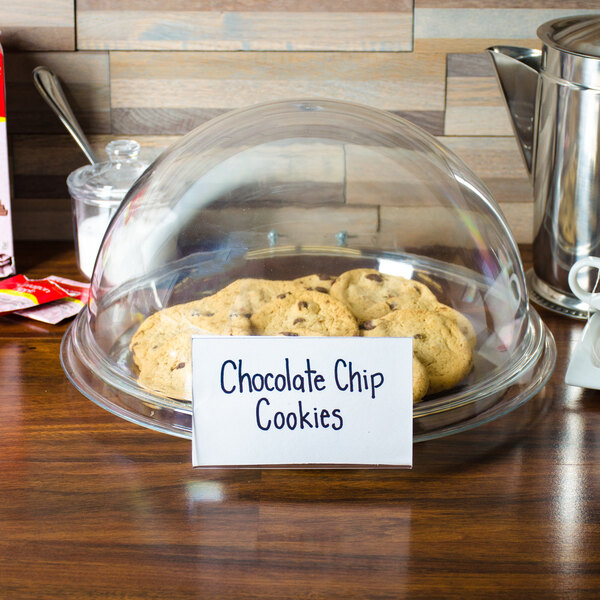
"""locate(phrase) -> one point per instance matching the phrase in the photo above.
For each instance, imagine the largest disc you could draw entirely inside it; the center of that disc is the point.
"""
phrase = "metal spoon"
(51, 91)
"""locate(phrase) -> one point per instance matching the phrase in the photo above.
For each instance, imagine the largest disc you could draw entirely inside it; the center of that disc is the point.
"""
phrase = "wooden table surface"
(92, 506)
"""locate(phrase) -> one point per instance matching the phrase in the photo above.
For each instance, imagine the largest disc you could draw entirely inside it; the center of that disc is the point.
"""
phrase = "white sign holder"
(301, 402)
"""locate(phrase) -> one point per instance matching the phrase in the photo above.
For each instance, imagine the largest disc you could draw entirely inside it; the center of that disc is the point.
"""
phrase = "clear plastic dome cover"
(292, 188)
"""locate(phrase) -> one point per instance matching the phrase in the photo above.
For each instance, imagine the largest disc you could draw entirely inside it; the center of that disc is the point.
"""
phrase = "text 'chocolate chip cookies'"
(357, 302)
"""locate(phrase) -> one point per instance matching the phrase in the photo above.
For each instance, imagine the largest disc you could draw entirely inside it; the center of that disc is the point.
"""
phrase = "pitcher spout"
(517, 70)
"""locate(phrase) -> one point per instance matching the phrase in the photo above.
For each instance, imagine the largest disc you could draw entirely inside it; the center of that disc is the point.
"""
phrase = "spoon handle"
(51, 91)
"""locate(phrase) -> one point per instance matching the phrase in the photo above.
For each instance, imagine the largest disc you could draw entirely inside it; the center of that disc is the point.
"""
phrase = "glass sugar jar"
(97, 192)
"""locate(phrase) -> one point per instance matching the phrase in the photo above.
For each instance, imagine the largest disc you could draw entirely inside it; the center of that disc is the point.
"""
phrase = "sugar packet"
(19, 292)
(50, 300)
(59, 310)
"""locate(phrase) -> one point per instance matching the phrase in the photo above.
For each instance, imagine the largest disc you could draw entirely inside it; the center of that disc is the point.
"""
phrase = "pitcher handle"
(591, 298)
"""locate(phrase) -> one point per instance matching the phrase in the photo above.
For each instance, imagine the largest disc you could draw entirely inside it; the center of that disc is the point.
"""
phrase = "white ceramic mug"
(591, 298)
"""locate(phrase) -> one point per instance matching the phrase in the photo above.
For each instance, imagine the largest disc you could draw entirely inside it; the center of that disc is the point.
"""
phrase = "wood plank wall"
(155, 69)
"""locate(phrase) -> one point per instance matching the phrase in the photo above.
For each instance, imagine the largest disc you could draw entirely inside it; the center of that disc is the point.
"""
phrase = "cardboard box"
(7, 263)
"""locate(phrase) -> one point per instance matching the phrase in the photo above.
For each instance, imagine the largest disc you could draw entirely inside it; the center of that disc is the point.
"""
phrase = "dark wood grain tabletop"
(95, 507)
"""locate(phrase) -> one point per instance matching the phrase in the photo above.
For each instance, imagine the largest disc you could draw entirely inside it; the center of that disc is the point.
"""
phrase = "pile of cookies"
(358, 302)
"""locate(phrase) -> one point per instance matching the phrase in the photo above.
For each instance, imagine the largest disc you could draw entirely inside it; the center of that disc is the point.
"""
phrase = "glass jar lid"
(108, 182)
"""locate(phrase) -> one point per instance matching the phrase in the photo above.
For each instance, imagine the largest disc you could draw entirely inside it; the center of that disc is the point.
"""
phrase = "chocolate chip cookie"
(420, 380)
(365, 292)
(316, 282)
(167, 367)
(437, 342)
(306, 313)
(423, 303)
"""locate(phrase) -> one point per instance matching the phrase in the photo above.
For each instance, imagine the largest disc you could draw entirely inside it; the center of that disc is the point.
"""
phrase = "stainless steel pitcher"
(553, 97)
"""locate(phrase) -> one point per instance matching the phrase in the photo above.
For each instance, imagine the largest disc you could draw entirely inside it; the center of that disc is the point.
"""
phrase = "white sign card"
(301, 401)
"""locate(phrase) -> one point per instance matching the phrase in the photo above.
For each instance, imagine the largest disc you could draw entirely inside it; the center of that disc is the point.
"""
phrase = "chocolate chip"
(419, 336)
(375, 277)
(302, 304)
(298, 320)
(288, 333)
(179, 366)
(391, 305)
(282, 296)
(367, 325)
(247, 315)
(322, 290)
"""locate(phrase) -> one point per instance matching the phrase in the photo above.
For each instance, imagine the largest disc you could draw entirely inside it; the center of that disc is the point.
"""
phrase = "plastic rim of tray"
(458, 412)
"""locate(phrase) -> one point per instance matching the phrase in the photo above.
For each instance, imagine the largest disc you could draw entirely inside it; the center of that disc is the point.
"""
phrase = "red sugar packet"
(19, 292)
(50, 300)
(58, 310)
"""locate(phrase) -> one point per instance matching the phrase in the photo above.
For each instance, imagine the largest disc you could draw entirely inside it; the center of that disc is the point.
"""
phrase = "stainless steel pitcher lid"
(571, 51)
(578, 34)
